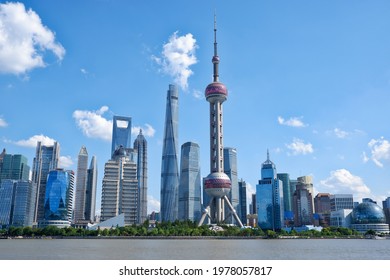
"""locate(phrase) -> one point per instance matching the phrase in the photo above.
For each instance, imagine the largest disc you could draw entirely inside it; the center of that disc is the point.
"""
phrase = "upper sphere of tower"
(215, 59)
(216, 91)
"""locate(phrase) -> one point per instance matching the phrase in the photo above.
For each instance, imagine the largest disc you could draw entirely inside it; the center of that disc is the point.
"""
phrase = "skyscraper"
(217, 184)
(322, 208)
(169, 166)
(190, 185)
(269, 198)
(14, 167)
(230, 169)
(81, 185)
(59, 194)
(303, 201)
(121, 133)
(46, 159)
(86, 183)
(120, 186)
(243, 203)
(90, 195)
(141, 146)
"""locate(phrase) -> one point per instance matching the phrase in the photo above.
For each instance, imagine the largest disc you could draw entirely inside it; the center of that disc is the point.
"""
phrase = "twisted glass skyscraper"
(169, 166)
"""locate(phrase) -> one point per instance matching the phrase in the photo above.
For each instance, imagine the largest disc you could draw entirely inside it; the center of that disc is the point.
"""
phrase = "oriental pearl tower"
(217, 184)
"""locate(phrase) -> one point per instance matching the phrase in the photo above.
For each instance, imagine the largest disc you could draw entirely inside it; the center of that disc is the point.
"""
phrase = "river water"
(179, 249)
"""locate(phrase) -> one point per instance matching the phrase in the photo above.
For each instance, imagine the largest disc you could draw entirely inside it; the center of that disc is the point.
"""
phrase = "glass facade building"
(59, 198)
(14, 167)
(121, 133)
(303, 201)
(243, 201)
(169, 166)
(369, 216)
(190, 184)
(141, 146)
(46, 159)
(269, 198)
(230, 169)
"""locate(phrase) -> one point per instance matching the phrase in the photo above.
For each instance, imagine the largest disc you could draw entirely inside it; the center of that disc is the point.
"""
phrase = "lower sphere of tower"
(217, 184)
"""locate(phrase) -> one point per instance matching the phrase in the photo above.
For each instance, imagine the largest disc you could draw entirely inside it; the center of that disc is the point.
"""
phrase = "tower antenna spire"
(215, 57)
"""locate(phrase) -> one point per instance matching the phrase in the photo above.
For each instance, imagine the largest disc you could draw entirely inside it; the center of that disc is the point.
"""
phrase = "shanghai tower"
(217, 184)
(169, 165)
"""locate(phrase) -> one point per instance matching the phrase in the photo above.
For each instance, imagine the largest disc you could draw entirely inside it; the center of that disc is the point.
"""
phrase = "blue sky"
(308, 80)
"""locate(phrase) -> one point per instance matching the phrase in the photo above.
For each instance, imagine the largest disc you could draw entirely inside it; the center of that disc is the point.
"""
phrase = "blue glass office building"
(190, 185)
(230, 169)
(269, 198)
(169, 166)
(46, 159)
(14, 167)
(58, 198)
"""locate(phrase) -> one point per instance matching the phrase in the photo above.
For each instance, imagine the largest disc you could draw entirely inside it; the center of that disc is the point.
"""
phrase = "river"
(179, 249)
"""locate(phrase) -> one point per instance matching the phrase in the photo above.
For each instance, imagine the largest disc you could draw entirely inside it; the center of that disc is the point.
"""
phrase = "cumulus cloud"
(380, 151)
(93, 124)
(298, 147)
(342, 181)
(65, 162)
(153, 204)
(33, 140)
(177, 57)
(3, 123)
(147, 130)
(24, 40)
(293, 122)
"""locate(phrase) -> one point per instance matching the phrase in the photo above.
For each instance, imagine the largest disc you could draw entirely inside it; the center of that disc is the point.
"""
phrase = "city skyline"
(310, 83)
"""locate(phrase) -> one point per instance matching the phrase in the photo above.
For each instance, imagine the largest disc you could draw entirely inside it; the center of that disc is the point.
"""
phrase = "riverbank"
(194, 237)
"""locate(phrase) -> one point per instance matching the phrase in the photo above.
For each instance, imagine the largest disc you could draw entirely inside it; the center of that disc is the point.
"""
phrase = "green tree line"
(177, 228)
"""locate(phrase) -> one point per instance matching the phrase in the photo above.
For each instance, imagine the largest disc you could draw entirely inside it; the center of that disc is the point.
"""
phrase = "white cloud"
(365, 157)
(153, 204)
(342, 181)
(147, 130)
(293, 122)
(33, 140)
(177, 57)
(380, 150)
(65, 162)
(82, 70)
(298, 146)
(93, 124)
(23, 40)
(3, 123)
(340, 133)
(197, 94)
